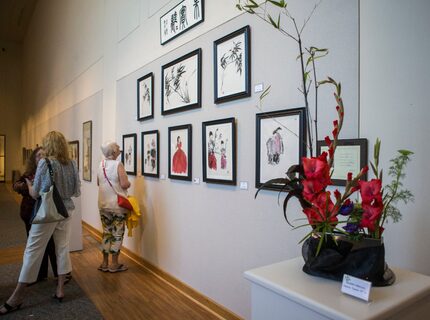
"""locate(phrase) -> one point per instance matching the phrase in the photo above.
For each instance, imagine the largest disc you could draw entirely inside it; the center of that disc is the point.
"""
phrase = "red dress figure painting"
(179, 161)
(211, 152)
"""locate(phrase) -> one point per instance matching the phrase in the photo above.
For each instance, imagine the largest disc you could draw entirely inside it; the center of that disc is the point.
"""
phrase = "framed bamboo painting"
(180, 152)
(280, 143)
(219, 151)
(145, 97)
(87, 149)
(232, 66)
(150, 154)
(181, 83)
(129, 156)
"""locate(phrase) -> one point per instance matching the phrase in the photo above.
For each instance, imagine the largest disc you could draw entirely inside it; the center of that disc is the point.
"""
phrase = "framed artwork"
(150, 153)
(129, 156)
(280, 143)
(180, 152)
(74, 151)
(87, 133)
(2, 158)
(145, 97)
(350, 156)
(219, 151)
(181, 83)
(182, 17)
(232, 66)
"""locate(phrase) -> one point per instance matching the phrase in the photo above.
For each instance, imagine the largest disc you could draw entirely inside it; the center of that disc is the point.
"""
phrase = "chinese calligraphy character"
(183, 17)
(173, 21)
(196, 9)
(166, 31)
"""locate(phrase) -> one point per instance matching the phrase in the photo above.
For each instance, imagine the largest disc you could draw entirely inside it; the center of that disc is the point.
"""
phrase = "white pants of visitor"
(36, 244)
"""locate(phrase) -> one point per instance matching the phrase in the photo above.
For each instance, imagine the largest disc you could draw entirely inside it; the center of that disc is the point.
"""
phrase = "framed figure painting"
(129, 156)
(350, 156)
(180, 152)
(86, 150)
(232, 66)
(219, 151)
(280, 143)
(74, 151)
(145, 97)
(181, 83)
(150, 153)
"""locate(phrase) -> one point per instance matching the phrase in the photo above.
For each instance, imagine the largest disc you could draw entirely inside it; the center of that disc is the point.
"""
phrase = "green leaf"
(276, 3)
(265, 93)
(272, 21)
(404, 152)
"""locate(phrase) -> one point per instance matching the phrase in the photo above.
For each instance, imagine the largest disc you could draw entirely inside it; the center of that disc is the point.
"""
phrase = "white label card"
(356, 287)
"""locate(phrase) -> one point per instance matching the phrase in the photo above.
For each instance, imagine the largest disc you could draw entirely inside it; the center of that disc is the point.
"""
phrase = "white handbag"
(49, 206)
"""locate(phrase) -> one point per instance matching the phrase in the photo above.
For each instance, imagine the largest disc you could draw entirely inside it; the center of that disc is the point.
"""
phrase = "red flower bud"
(335, 132)
(349, 176)
(364, 170)
(327, 140)
(335, 123)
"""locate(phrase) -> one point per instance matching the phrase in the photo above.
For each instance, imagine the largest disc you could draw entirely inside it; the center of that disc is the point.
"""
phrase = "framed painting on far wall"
(232, 66)
(350, 156)
(280, 143)
(180, 152)
(145, 97)
(74, 151)
(150, 154)
(219, 151)
(181, 83)
(87, 132)
(129, 156)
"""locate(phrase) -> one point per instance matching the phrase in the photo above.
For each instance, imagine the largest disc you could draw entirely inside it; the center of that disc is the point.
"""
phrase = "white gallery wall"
(82, 59)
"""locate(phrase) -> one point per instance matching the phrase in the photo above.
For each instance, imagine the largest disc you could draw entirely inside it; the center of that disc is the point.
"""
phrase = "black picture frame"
(87, 138)
(129, 153)
(351, 154)
(74, 151)
(177, 158)
(169, 20)
(279, 129)
(170, 87)
(147, 94)
(219, 151)
(149, 152)
(233, 73)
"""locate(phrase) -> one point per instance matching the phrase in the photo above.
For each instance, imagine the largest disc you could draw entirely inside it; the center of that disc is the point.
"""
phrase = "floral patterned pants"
(113, 231)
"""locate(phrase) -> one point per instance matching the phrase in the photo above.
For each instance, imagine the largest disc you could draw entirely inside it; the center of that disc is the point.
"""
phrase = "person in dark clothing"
(26, 210)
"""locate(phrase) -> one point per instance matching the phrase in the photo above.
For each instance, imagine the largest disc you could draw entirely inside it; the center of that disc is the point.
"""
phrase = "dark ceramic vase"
(363, 259)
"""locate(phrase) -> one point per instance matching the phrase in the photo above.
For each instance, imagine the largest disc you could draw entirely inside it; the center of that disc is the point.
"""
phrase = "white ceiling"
(15, 16)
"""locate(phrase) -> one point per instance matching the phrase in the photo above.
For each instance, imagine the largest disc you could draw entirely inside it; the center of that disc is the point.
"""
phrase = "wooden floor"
(137, 293)
(134, 294)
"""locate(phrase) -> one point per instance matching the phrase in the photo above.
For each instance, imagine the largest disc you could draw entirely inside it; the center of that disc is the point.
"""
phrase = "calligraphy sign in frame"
(181, 18)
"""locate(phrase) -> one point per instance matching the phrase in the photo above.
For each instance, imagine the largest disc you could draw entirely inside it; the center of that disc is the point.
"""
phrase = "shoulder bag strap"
(104, 171)
(51, 172)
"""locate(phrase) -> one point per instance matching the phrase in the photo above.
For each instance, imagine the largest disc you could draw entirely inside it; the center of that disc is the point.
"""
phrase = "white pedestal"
(284, 291)
(76, 234)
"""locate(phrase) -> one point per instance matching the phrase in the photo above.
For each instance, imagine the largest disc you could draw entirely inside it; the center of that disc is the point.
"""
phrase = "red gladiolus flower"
(311, 187)
(316, 167)
(322, 209)
(370, 190)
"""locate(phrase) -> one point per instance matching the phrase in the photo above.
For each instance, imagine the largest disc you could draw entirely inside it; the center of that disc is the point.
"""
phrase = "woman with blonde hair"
(66, 178)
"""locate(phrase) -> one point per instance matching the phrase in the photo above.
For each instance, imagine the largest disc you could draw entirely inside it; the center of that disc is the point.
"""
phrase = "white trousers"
(36, 244)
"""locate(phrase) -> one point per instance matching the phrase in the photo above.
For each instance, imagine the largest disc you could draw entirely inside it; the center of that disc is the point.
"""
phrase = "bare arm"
(31, 191)
(123, 179)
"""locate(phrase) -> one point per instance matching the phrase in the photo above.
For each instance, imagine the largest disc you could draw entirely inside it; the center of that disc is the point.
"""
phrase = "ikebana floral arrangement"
(362, 209)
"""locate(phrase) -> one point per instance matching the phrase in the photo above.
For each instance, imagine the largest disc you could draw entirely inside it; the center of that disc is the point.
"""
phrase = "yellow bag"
(133, 216)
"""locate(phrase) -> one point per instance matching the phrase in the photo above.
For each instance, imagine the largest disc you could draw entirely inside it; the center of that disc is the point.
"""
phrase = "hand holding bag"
(49, 206)
(122, 201)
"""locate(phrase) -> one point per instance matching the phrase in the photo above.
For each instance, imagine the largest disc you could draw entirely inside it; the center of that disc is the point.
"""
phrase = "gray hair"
(108, 148)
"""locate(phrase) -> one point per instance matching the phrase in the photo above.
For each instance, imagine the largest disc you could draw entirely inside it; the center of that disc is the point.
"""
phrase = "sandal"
(120, 268)
(103, 268)
(9, 308)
